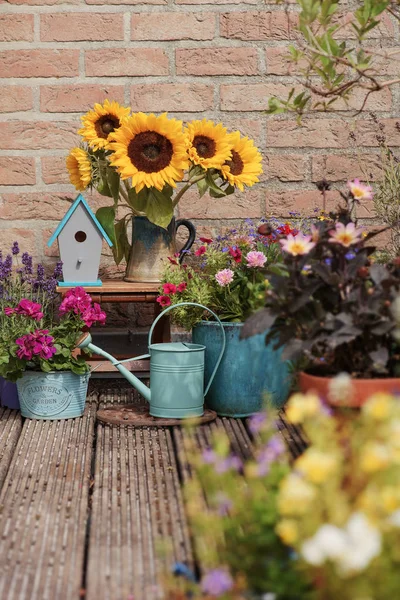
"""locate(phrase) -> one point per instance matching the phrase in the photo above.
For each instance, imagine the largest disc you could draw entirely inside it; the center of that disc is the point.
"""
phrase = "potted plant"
(334, 308)
(138, 160)
(229, 276)
(37, 350)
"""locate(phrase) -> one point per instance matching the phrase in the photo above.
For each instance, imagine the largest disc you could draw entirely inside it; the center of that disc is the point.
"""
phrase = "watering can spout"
(85, 341)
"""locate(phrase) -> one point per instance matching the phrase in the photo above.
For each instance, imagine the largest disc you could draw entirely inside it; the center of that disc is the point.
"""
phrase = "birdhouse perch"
(80, 238)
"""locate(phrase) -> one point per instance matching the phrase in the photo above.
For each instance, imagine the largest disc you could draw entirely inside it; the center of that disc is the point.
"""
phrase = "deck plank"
(44, 513)
(137, 506)
(10, 430)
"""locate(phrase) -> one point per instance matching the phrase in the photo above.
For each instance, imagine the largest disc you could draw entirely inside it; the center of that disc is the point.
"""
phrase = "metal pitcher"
(176, 372)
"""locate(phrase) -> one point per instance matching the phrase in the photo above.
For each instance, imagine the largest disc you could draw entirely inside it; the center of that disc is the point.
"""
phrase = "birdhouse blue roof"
(79, 200)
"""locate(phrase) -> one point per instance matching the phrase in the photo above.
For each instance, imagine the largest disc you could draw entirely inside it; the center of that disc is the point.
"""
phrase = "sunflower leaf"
(202, 186)
(138, 201)
(113, 181)
(122, 246)
(214, 187)
(159, 208)
(106, 216)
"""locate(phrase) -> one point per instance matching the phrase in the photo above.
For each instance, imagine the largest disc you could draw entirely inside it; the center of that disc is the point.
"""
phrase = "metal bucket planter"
(8, 394)
(55, 395)
(248, 371)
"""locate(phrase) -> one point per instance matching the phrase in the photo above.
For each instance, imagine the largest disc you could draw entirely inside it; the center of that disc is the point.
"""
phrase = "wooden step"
(10, 429)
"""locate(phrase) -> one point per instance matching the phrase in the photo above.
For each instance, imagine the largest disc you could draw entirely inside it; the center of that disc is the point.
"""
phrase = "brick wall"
(219, 59)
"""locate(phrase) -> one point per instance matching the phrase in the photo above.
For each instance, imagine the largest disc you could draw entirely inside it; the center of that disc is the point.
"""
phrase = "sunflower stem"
(186, 187)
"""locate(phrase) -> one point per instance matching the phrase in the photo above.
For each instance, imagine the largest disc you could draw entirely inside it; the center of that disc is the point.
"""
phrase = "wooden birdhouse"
(80, 238)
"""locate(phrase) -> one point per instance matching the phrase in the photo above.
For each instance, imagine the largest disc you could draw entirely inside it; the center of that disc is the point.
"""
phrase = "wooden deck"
(93, 511)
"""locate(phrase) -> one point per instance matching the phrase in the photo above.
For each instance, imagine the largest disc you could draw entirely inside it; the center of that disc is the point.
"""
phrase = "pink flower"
(224, 277)
(29, 309)
(346, 235)
(172, 260)
(256, 259)
(236, 254)
(182, 286)
(360, 191)
(94, 315)
(25, 343)
(169, 288)
(297, 245)
(9, 311)
(164, 300)
(206, 240)
(76, 300)
(44, 345)
(200, 251)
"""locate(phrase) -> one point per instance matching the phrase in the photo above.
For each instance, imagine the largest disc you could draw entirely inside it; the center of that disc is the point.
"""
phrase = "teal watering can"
(176, 372)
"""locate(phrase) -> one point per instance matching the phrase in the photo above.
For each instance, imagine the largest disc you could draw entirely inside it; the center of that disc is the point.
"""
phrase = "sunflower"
(208, 144)
(100, 122)
(80, 168)
(149, 149)
(245, 164)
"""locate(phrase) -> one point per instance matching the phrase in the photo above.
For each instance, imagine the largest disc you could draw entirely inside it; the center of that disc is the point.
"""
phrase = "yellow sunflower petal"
(208, 144)
(100, 122)
(79, 168)
(245, 165)
(151, 150)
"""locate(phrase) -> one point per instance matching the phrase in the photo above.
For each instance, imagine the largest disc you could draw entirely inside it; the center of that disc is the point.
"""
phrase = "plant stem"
(186, 187)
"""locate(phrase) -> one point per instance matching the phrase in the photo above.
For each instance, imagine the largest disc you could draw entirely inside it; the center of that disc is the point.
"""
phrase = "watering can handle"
(214, 315)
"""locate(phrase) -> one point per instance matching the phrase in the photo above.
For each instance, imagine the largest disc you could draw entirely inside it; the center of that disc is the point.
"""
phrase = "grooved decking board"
(10, 429)
(44, 509)
(293, 435)
(136, 506)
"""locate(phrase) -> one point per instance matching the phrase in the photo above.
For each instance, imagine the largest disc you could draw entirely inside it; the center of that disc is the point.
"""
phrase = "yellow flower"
(208, 144)
(375, 457)
(288, 531)
(301, 406)
(79, 168)
(245, 165)
(295, 495)
(390, 498)
(379, 406)
(100, 122)
(316, 466)
(149, 149)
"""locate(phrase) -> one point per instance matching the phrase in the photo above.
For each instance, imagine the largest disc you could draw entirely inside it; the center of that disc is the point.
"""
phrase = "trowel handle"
(214, 315)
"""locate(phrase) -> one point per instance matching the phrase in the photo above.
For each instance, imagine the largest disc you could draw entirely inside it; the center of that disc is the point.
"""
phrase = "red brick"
(77, 97)
(385, 29)
(14, 98)
(283, 202)
(313, 133)
(279, 63)
(367, 130)
(173, 97)
(287, 167)
(172, 26)
(237, 206)
(25, 237)
(16, 27)
(217, 61)
(39, 63)
(248, 127)
(71, 27)
(255, 25)
(34, 135)
(216, 2)
(17, 170)
(126, 62)
(54, 170)
(250, 96)
(343, 167)
(124, 2)
(42, 2)
(387, 63)
(39, 205)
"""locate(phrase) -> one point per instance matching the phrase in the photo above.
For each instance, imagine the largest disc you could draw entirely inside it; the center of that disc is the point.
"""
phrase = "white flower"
(394, 518)
(340, 389)
(328, 543)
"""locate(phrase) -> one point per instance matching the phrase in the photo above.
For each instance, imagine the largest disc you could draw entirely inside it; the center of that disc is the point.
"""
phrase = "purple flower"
(257, 421)
(15, 248)
(224, 504)
(209, 456)
(271, 451)
(26, 260)
(40, 273)
(350, 255)
(58, 270)
(216, 582)
(230, 462)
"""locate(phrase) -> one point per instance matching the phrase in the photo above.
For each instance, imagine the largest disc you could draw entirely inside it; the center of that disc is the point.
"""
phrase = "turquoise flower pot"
(52, 396)
(248, 372)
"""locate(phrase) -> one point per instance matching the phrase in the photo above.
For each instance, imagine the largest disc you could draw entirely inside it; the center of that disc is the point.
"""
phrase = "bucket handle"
(214, 315)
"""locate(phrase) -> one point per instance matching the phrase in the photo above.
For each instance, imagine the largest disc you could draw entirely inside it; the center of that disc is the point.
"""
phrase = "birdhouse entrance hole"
(80, 236)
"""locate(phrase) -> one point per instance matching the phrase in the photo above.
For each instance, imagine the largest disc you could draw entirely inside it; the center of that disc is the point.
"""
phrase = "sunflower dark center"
(204, 145)
(150, 151)
(105, 125)
(235, 164)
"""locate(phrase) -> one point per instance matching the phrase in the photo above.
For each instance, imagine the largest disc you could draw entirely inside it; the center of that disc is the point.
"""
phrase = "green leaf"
(159, 208)
(113, 180)
(122, 247)
(106, 216)
(138, 201)
(202, 186)
(215, 190)
(103, 188)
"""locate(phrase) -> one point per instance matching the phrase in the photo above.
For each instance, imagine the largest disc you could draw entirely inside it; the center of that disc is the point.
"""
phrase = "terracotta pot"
(362, 388)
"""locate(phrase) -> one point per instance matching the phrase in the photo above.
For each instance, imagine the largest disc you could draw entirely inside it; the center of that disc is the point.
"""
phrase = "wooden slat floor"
(93, 511)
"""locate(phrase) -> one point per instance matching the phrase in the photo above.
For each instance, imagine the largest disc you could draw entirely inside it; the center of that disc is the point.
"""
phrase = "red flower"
(236, 254)
(169, 288)
(172, 260)
(206, 240)
(202, 250)
(182, 286)
(164, 300)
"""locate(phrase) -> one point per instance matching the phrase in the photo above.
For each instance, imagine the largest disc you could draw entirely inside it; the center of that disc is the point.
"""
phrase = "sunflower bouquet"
(138, 159)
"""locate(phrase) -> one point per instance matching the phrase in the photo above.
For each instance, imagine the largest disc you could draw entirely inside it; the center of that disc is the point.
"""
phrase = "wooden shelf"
(135, 366)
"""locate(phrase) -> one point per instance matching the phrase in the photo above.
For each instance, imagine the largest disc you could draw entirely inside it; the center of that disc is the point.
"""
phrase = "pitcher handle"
(189, 242)
(214, 315)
